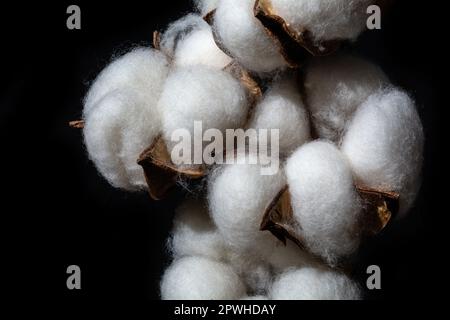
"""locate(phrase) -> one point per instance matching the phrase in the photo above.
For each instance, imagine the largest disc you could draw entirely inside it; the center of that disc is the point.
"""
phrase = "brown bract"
(295, 45)
(380, 208)
(160, 172)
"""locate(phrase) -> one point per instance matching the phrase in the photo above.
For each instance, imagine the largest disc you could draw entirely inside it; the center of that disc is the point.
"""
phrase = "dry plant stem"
(77, 124)
(295, 45)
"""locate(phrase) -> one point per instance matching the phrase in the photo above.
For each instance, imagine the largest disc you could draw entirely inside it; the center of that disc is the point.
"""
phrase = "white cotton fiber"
(335, 87)
(314, 284)
(194, 234)
(206, 6)
(142, 69)
(238, 196)
(198, 278)
(121, 118)
(189, 41)
(282, 108)
(325, 19)
(244, 36)
(325, 203)
(283, 257)
(384, 144)
(203, 94)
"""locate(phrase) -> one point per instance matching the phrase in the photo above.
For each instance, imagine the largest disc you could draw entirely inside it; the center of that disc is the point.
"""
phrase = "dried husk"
(294, 45)
(380, 209)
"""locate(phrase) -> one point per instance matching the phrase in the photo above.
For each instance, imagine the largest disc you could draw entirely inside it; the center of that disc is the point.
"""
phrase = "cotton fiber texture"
(325, 203)
(282, 108)
(335, 87)
(384, 144)
(121, 116)
(324, 19)
(245, 38)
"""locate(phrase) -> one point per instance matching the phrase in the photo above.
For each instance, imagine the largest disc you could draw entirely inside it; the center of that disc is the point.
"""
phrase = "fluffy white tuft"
(384, 144)
(189, 41)
(201, 94)
(198, 278)
(325, 19)
(238, 196)
(206, 6)
(121, 118)
(245, 38)
(325, 202)
(335, 87)
(283, 257)
(282, 108)
(194, 234)
(314, 284)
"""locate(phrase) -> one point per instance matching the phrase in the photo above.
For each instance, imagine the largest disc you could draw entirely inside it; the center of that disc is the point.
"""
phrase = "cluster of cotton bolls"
(341, 124)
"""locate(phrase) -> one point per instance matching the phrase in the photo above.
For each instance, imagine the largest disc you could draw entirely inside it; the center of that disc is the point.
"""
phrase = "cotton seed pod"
(189, 41)
(303, 27)
(198, 278)
(384, 144)
(238, 195)
(120, 115)
(314, 284)
(335, 87)
(194, 234)
(242, 36)
(282, 108)
(161, 173)
(326, 205)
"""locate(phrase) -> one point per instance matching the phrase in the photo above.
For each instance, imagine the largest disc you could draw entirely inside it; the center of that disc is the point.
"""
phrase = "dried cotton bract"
(324, 19)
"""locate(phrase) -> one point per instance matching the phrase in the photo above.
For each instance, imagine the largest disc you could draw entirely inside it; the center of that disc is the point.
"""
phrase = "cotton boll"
(238, 196)
(121, 118)
(194, 233)
(102, 135)
(335, 87)
(314, 284)
(142, 70)
(384, 144)
(282, 108)
(206, 6)
(325, 203)
(245, 38)
(203, 94)
(325, 19)
(189, 41)
(198, 278)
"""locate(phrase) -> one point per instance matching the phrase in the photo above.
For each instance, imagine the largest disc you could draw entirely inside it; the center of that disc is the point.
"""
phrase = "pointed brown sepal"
(278, 219)
(295, 46)
(156, 40)
(78, 124)
(160, 173)
(381, 207)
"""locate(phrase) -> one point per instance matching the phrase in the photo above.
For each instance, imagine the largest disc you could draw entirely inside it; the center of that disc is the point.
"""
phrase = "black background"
(57, 211)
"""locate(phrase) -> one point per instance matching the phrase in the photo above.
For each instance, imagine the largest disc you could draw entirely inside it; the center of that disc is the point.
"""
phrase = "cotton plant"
(349, 142)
